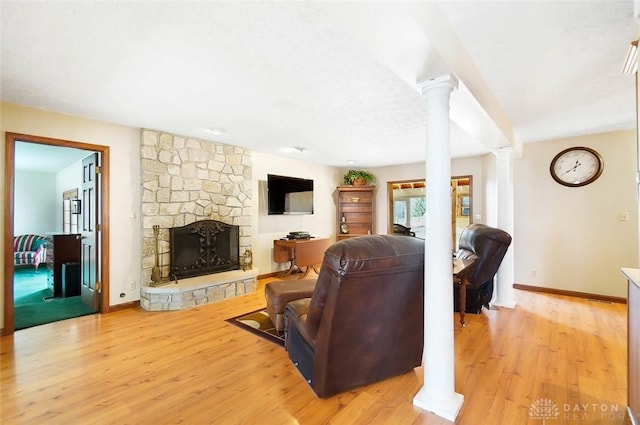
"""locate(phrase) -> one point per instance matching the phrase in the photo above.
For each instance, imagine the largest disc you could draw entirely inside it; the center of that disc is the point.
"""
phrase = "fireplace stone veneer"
(196, 291)
(185, 180)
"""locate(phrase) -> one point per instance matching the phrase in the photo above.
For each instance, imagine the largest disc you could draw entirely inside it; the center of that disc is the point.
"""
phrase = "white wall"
(573, 237)
(321, 224)
(67, 179)
(34, 203)
(38, 198)
(123, 143)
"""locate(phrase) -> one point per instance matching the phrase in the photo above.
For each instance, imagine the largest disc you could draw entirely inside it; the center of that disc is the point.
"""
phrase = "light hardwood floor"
(192, 367)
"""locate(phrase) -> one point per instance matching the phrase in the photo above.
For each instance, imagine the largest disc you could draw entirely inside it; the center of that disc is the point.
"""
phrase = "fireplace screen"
(204, 247)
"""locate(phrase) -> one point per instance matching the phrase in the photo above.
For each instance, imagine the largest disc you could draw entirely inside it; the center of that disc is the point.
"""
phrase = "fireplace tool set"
(156, 271)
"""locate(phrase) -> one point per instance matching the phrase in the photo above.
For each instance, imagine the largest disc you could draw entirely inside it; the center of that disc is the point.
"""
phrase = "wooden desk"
(462, 269)
(306, 253)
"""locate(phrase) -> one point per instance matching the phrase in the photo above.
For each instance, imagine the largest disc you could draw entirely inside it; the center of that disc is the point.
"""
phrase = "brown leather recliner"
(364, 321)
(488, 246)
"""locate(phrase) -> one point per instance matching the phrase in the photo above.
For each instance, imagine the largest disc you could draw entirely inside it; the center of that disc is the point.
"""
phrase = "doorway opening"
(66, 218)
(408, 209)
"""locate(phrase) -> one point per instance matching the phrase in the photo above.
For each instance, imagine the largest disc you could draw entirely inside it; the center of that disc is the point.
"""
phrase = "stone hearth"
(196, 291)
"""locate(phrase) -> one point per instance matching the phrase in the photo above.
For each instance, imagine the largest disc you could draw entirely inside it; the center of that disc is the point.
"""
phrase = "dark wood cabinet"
(356, 207)
(61, 249)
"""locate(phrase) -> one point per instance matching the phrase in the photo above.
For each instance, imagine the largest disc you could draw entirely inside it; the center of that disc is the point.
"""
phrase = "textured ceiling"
(336, 79)
(553, 65)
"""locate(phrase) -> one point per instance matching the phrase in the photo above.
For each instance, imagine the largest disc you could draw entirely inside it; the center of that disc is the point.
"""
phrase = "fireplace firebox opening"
(204, 247)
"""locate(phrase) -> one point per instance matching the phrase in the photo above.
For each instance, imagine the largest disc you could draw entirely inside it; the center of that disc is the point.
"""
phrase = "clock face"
(344, 228)
(576, 166)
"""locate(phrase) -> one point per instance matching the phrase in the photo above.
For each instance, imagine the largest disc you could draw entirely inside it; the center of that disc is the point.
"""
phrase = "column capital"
(449, 80)
(503, 152)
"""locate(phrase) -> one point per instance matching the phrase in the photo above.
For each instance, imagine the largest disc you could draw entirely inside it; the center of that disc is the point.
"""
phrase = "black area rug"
(258, 323)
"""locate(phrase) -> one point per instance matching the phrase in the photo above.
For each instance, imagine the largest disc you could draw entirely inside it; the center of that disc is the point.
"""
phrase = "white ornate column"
(504, 293)
(437, 394)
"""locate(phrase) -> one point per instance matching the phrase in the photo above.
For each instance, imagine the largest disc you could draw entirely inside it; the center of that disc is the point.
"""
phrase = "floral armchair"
(29, 250)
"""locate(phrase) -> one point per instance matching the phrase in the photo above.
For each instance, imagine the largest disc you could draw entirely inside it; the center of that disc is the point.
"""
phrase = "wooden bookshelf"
(357, 205)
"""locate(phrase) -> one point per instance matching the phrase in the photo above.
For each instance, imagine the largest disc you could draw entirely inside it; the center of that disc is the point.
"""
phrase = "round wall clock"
(577, 166)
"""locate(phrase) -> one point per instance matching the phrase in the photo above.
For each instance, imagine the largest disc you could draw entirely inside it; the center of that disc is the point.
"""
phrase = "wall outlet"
(132, 286)
(533, 273)
(624, 216)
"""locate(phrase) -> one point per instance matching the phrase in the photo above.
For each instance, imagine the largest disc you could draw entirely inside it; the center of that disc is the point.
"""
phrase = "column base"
(505, 304)
(445, 408)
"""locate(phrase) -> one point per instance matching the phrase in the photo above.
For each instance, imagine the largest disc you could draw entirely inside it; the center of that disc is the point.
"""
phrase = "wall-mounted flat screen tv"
(289, 195)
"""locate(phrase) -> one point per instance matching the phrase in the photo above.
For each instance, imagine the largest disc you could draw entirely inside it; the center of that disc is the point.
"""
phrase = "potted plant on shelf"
(359, 178)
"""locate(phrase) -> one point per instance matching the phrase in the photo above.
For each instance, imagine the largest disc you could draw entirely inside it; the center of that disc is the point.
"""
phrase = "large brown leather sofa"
(364, 321)
(488, 246)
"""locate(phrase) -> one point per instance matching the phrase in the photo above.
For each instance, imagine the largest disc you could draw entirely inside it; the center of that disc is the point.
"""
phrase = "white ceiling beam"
(391, 33)
(473, 105)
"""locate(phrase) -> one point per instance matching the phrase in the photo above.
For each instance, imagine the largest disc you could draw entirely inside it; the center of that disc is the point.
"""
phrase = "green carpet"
(33, 306)
(26, 281)
(33, 298)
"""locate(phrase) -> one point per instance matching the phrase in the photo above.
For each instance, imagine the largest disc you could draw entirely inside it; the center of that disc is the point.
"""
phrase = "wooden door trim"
(466, 179)
(10, 140)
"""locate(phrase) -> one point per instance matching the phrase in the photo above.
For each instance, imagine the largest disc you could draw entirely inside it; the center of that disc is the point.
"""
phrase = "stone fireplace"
(186, 181)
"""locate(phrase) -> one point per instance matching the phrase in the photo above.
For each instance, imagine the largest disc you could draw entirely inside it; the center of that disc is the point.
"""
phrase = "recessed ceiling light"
(216, 131)
(284, 105)
(351, 161)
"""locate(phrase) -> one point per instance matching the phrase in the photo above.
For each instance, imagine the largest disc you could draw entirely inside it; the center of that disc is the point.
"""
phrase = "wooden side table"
(462, 269)
(307, 253)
